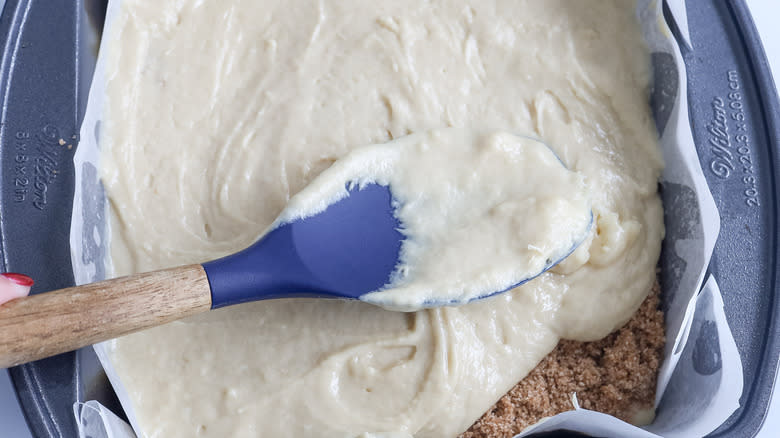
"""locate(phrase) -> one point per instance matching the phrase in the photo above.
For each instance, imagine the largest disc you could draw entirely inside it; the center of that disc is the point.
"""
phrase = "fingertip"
(20, 279)
(13, 285)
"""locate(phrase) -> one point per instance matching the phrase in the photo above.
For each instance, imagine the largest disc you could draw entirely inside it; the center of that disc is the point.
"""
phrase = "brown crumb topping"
(615, 375)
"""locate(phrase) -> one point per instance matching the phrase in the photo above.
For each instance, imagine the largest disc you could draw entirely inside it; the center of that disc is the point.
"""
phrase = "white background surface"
(765, 15)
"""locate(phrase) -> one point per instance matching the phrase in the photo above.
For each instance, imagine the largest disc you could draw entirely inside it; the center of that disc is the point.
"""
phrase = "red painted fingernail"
(20, 279)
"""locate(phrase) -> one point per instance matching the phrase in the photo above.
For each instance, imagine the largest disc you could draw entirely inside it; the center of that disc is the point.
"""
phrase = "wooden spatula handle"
(54, 322)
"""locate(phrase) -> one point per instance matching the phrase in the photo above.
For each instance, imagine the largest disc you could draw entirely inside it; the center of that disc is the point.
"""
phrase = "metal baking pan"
(48, 55)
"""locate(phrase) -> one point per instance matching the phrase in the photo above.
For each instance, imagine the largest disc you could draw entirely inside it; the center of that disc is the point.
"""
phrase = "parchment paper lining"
(692, 225)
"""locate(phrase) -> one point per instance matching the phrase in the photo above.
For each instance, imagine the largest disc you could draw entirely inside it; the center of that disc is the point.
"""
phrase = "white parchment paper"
(700, 380)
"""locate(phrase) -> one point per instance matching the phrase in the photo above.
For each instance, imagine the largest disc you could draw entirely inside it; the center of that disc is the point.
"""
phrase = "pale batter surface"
(217, 113)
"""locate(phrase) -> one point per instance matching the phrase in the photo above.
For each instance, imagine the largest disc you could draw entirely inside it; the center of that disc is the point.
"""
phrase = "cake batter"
(217, 113)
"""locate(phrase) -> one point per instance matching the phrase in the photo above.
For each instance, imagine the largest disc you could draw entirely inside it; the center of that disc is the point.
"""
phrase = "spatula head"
(347, 250)
(352, 247)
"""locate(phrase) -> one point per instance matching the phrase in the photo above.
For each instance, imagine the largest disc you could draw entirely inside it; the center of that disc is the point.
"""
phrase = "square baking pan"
(48, 56)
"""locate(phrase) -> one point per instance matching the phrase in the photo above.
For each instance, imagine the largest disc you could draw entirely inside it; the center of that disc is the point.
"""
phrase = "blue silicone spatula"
(348, 250)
